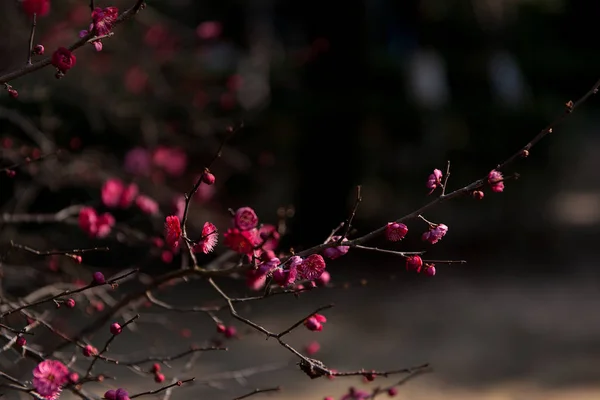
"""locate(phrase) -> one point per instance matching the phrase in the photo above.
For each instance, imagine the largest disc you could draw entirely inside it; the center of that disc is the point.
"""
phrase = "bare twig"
(258, 391)
(178, 383)
(31, 36)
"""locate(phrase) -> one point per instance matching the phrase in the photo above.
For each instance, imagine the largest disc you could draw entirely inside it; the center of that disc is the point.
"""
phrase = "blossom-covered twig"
(27, 69)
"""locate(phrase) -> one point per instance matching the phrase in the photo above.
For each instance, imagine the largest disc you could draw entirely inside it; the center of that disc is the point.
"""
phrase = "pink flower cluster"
(118, 394)
(94, 224)
(434, 181)
(174, 235)
(315, 322)
(435, 233)
(117, 194)
(49, 376)
(140, 161)
(415, 264)
(246, 237)
(103, 20)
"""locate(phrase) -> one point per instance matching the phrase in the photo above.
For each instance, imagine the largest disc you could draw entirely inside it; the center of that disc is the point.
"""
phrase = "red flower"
(172, 231)
(103, 19)
(242, 242)
(312, 267)
(39, 7)
(209, 239)
(63, 59)
(245, 219)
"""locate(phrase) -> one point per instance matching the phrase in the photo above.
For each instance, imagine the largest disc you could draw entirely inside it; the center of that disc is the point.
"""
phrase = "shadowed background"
(377, 93)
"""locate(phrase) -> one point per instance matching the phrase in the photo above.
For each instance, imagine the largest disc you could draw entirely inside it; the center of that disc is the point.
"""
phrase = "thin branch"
(396, 253)
(189, 195)
(173, 357)
(56, 252)
(445, 184)
(178, 383)
(66, 292)
(259, 391)
(348, 222)
(31, 36)
(105, 348)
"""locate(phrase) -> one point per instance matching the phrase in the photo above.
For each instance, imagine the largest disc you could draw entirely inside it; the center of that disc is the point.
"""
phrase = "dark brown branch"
(173, 357)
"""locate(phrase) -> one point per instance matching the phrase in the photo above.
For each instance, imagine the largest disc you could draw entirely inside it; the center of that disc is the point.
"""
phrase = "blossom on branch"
(209, 239)
(172, 231)
(48, 378)
(496, 181)
(395, 231)
(38, 7)
(245, 219)
(335, 252)
(435, 234)
(312, 267)
(434, 180)
(63, 59)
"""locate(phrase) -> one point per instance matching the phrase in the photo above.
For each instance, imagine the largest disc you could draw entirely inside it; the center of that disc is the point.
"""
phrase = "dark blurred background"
(331, 94)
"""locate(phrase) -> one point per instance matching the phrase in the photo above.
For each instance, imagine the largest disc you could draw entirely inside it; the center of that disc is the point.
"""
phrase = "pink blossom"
(312, 348)
(324, 279)
(209, 239)
(338, 251)
(395, 231)
(312, 267)
(315, 322)
(138, 161)
(435, 234)
(172, 231)
(172, 160)
(242, 242)
(286, 277)
(63, 59)
(48, 378)
(245, 219)
(434, 180)
(116, 194)
(39, 7)
(354, 394)
(88, 220)
(269, 236)
(179, 206)
(414, 263)
(209, 30)
(147, 204)
(496, 181)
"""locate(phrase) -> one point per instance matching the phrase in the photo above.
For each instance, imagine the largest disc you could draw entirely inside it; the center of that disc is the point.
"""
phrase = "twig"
(81, 42)
(258, 391)
(56, 252)
(105, 348)
(444, 185)
(348, 222)
(66, 292)
(396, 253)
(411, 375)
(31, 35)
(189, 195)
(173, 357)
(178, 383)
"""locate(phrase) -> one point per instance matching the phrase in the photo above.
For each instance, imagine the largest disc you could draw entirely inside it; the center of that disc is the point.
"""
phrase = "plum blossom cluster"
(49, 377)
(103, 20)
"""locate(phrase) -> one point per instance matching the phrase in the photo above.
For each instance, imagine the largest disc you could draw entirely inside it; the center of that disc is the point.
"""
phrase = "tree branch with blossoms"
(254, 255)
